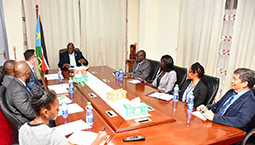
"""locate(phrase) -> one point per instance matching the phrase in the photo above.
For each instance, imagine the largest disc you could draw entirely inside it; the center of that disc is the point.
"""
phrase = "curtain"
(60, 22)
(243, 46)
(199, 33)
(103, 25)
(3, 37)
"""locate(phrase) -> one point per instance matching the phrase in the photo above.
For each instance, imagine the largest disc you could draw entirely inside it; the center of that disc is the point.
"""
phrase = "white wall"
(133, 21)
(13, 23)
(158, 27)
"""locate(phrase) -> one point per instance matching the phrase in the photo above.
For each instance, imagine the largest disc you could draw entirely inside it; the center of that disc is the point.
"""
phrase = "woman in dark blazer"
(194, 84)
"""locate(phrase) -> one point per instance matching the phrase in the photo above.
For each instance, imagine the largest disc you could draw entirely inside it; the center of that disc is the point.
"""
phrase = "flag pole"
(37, 10)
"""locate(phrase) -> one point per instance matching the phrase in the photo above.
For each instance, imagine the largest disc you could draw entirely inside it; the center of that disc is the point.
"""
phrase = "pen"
(104, 129)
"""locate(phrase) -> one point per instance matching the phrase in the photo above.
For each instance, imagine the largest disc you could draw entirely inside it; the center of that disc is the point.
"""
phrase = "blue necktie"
(29, 90)
(224, 107)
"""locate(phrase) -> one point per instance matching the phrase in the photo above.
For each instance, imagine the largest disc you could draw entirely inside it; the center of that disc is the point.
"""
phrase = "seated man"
(9, 73)
(71, 58)
(31, 58)
(18, 94)
(141, 67)
(236, 107)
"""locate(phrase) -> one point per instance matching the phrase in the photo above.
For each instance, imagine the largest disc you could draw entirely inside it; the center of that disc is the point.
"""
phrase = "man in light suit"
(236, 107)
(9, 73)
(141, 67)
(18, 95)
(71, 58)
(31, 58)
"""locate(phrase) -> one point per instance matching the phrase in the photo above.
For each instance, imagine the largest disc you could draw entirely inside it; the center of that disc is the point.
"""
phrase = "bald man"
(9, 72)
(141, 67)
(18, 94)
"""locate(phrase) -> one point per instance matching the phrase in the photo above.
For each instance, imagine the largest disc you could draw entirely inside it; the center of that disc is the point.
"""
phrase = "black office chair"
(181, 75)
(15, 123)
(64, 50)
(1, 74)
(248, 140)
(212, 84)
(154, 69)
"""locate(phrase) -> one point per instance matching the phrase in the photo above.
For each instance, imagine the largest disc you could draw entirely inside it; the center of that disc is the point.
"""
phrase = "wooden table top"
(164, 130)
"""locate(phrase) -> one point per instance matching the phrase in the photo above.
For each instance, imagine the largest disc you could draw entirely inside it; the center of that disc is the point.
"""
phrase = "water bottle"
(190, 103)
(176, 93)
(64, 107)
(71, 88)
(121, 77)
(117, 73)
(60, 77)
(89, 114)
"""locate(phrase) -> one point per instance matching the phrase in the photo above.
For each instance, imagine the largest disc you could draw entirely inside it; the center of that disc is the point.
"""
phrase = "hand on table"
(128, 74)
(66, 65)
(209, 115)
(102, 136)
(202, 108)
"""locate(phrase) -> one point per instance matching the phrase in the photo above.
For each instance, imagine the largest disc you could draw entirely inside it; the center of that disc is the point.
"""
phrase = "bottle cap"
(120, 67)
(117, 66)
(70, 78)
(191, 93)
(176, 85)
(58, 68)
(88, 103)
(63, 96)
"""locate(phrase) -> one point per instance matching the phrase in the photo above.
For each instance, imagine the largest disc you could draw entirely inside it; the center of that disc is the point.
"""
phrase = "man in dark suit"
(71, 58)
(236, 107)
(18, 94)
(141, 67)
(9, 73)
(31, 58)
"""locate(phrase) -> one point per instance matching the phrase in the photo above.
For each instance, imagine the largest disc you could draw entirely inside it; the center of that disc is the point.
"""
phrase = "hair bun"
(37, 92)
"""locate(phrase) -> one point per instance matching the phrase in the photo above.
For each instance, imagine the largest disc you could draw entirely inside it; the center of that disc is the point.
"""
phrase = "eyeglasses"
(190, 71)
(35, 56)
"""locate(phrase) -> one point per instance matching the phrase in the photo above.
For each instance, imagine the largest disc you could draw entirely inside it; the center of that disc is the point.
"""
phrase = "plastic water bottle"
(89, 114)
(121, 76)
(71, 88)
(117, 72)
(190, 103)
(60, 77)
(176, 93)
(64, 107)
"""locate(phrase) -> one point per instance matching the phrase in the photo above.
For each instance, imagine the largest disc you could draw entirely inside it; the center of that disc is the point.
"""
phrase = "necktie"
(29, 90)
(137, 66)
(225, 106)
(72, 63)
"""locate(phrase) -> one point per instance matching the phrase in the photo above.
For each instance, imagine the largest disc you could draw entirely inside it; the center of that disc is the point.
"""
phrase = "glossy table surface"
(169, 125)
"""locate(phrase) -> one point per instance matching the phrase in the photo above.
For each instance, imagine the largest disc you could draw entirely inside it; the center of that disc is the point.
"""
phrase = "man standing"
(9, 73)
(31, 58)
(18, 94)
(236, 107)
(141, 67)
(71, 58)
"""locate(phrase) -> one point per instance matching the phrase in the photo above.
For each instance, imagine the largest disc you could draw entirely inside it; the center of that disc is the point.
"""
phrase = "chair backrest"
(15, 123)
(1, 74)
(64, 50)
(154, 69)
(248, 135)
(181, 74)
(212, 84)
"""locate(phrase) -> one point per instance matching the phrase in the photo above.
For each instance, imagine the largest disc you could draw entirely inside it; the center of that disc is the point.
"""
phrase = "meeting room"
(113, 72)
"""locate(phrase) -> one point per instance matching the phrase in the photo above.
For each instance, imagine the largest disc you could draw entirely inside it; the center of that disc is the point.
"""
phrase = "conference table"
(169, 122)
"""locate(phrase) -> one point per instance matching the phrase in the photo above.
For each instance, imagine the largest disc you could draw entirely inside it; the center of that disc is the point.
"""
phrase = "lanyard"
(189, 90)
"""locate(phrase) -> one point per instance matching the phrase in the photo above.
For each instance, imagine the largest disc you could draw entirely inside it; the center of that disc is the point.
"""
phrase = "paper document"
(84, 138)
(162, 96)
(72, 108)
(199, 115)
(134, 81)
(71, 127)
(59, 89)
(67, 100)
(51, 76)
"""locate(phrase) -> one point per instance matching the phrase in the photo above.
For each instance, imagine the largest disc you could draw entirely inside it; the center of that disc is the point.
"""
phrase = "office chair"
(154, 69)
(65, 49)
(15, 123)
(247, 137)
(212, 84)
(181, 74)
(1, 74)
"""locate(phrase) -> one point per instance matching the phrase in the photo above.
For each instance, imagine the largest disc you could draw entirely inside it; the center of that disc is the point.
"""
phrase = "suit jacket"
(6, 80)
(64, 58)
(166, 82)
(17, 99)
(33, 81)
(199, 92)
(142, 71)
(238, 114)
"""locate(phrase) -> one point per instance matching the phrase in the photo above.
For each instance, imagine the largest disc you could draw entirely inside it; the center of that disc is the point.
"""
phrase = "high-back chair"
(154, 69)
(181, 74)
(64, 50)
(1, 74)
(212, 84)
(15, 123)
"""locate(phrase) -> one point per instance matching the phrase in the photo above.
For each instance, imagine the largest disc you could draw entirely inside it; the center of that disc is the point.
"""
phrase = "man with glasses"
(31, 58)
